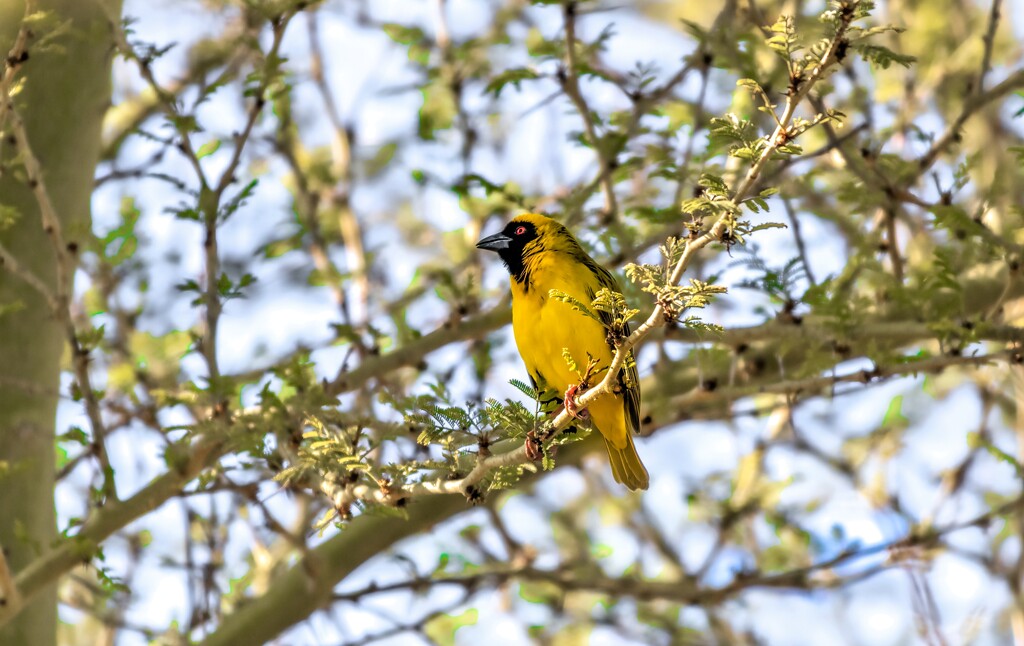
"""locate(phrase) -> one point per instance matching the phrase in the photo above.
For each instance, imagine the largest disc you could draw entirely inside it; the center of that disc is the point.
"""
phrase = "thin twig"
(972, 105)
(893, 243)
(64, 259)
(571, 86)
(10, 264)
(342, 173)
(798, 239)
(17, 55)
(989, 39)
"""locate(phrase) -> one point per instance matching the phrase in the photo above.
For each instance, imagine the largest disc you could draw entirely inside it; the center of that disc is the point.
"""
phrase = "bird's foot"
(534, 447)
(574, 411)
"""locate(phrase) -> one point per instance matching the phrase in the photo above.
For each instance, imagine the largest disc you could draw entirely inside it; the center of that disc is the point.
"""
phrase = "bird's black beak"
(497, 242)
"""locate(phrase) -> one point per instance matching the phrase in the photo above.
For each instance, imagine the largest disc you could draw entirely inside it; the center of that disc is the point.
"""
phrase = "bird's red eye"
(520, 231)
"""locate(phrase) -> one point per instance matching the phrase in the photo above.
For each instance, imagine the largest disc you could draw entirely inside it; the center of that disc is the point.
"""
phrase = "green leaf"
(974, 440)
(882, 57)
(524, 388)
(441, 630)
(575, 303)
(513, 76)
(437, 111)
(208, 148)
(539, 592)
(376, 164)
(403, 34)
(894, 417)
(767, 225)
(569, 361)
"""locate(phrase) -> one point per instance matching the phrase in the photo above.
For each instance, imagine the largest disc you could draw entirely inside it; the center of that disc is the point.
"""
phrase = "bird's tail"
(626, 465)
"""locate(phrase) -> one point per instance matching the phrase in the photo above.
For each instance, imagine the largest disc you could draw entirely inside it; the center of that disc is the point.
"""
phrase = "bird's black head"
(510, 245)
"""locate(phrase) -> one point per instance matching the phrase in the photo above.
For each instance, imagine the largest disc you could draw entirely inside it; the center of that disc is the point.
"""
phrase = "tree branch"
(309, 585)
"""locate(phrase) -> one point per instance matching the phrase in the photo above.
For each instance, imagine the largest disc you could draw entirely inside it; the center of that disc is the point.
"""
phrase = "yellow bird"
(541, 255)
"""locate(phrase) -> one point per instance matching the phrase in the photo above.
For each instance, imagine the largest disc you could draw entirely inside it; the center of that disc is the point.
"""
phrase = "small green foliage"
(894, 417)
(513, 77)
(404, 35)
(524, 388)
(208, 148)
(121, 242)
(975, 440)
(228, 289)
(883, 57)
(324, 450)
(110, 584)
(437, 111)
(616, 311)
(89, 338)
(733, 133)
(783, 40)
(9, 215)
(439, 420)
(780, 283)
(569, 361)
(441, 629)
(575, 303)
(675, 299)
(237, 201)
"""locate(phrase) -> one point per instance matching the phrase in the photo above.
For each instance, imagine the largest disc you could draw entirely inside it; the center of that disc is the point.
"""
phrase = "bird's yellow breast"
(544, 326)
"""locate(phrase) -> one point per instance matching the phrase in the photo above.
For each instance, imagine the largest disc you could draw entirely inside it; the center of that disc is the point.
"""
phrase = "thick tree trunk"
(66, 92)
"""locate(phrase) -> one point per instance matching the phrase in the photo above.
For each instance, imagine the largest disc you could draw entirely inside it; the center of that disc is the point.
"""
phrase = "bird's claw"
(574, 411)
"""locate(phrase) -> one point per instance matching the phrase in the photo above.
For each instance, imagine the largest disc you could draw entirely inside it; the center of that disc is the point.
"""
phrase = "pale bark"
(66, 92)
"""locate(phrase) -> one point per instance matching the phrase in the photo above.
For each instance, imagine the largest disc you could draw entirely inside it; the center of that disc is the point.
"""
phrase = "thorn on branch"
(841, 49)
(474, 495)
(668, 312)
(344, 511)
(17, 59)
(795, 80)
(728, 239)
(867, 376)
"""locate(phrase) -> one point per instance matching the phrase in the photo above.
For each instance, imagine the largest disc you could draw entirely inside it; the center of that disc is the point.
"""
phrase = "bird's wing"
(628, 375)
(548, 398)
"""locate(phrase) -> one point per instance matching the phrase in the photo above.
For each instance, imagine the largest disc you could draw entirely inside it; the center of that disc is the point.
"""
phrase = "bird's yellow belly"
(544, 328)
